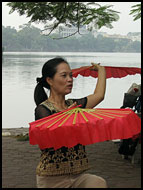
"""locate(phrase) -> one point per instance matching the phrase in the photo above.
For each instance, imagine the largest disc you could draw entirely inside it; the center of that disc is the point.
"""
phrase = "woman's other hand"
(73, 105)
(96, 66)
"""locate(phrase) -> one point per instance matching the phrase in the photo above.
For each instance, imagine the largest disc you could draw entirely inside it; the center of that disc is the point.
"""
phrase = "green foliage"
(29, 38)
(136, 12)
(22, 137)
(67, 13)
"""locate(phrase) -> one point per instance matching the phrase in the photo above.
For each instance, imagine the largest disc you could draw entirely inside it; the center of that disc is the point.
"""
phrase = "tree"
(9, 38)
(136, 12)
(29, 38)
(68, 13)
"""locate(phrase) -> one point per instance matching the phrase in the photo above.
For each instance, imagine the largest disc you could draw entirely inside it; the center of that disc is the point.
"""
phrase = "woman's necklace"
(56, 106)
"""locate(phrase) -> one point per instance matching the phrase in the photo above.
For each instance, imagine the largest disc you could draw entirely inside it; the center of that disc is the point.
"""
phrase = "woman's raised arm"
(99, 92)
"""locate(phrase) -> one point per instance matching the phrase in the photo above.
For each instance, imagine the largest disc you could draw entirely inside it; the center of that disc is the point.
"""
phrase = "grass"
(22, 137)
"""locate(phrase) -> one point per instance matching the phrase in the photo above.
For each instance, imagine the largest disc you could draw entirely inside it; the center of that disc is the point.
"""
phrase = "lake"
(20, 70)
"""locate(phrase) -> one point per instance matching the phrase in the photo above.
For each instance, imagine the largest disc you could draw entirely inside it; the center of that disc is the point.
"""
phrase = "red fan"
(83, 126)
(116, 72)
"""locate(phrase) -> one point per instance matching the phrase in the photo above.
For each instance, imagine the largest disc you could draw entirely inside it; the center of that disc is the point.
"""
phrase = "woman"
(65, 167)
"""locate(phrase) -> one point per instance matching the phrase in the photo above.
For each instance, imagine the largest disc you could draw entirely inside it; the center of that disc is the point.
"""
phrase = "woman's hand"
(95, 66)
(73, 105)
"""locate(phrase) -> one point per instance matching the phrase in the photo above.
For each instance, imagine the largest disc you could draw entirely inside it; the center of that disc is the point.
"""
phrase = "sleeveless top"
(64, 160)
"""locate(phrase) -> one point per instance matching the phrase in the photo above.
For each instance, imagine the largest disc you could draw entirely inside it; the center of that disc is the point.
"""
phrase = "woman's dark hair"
(49, 70)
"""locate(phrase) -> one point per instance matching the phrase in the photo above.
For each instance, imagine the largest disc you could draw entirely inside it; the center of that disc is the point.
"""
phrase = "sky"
(124, 25)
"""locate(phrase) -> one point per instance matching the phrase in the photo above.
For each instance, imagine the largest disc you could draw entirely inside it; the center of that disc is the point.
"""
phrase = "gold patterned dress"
(63, 160)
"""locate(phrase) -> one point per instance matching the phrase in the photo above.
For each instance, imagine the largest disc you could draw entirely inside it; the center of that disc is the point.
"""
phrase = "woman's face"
(62, 81)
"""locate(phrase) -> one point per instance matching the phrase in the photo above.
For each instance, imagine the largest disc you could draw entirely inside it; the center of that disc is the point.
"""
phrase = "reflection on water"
(20, 70)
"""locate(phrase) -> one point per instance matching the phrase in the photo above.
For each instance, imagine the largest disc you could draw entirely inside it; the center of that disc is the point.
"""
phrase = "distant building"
(67, 31)
(95, 33)
(134, 36)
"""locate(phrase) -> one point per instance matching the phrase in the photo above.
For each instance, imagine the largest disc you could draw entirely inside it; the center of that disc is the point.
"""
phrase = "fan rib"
(57, 120)
(83, 115)
(66, 118)
(75, 116)
(52, 118)
(114, 111)
(95, 115)
(105, 115)
(109, 114)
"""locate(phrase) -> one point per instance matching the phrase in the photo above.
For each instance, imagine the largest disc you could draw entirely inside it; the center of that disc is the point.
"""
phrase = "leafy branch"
(136, 12)
(70, 14)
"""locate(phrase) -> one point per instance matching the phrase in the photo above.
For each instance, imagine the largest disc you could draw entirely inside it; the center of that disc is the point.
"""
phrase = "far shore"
(14, 131)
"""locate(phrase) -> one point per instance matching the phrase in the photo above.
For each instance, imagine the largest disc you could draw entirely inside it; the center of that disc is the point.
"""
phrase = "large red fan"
(115, 72)
(83, 126)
